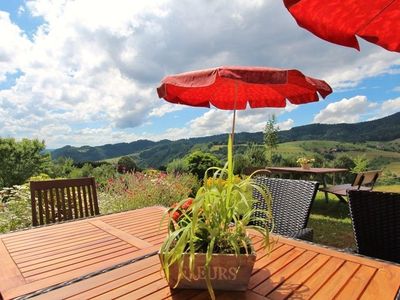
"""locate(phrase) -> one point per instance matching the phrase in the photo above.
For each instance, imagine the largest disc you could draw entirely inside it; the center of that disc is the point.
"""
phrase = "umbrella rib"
(373, 18)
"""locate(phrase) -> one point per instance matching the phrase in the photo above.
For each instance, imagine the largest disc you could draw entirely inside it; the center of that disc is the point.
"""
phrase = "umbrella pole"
(233, 125)
(234, 113)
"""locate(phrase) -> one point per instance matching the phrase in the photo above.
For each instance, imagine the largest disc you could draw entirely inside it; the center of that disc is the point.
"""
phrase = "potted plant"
(305, 162)
(208, 244)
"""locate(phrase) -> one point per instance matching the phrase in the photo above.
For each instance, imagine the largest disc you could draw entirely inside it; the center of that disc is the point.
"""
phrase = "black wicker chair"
(291, 205)
(376, 223)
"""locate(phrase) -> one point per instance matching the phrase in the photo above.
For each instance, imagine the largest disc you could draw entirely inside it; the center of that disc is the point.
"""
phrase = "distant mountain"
(159, 153)
(385, 129)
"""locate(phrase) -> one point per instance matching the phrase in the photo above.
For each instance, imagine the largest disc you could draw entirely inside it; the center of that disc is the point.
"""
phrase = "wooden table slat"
(134, 241)
(357, 283)
(283, 274)
(10, 275)
(297, 279)
(383, 282)
(104, 282)
(87, 244)
(337, 281)
(318, 279)
(39, 284)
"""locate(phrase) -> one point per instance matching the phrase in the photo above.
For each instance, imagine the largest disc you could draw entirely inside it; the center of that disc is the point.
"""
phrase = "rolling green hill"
(377, 138)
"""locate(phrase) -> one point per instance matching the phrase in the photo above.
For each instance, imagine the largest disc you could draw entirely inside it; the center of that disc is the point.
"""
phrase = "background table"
(319, 172)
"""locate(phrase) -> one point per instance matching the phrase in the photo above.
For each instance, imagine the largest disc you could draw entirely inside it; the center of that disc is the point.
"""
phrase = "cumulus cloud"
(389, 107)
(95, 64)
(344, 111)
(286, 125)
(14, 44)
(165, 109)
(217, 121)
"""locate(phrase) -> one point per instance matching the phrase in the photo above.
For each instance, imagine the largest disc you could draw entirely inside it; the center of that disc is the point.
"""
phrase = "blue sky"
(85, 72)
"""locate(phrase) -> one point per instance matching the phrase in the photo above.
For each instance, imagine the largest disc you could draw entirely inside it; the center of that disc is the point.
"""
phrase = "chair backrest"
(63, 199)
(291, 202)
(366, 179)
(376, 223)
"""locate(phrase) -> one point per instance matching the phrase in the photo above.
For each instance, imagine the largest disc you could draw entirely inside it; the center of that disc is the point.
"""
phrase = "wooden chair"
(63, 199)
(363, 181)
(291, 205)
(376, 223)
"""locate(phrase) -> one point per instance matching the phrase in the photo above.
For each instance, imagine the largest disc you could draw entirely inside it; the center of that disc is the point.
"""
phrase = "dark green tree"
(271, 137)
(198, 162)
(255, 155)
(177, 166)
(126, 164)
(20, 160)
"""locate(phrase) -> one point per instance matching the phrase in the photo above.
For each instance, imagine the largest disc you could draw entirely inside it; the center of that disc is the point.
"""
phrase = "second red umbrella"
(340, 21)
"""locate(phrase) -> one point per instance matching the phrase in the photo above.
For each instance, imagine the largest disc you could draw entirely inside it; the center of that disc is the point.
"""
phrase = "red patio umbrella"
(340, 21)
(233, 87)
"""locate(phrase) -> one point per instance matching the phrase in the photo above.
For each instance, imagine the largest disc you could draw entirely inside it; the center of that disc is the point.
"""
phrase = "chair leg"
(341, 199)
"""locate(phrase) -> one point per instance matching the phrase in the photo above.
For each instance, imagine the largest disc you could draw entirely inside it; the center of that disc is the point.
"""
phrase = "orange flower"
(187, 204)
(176, 215)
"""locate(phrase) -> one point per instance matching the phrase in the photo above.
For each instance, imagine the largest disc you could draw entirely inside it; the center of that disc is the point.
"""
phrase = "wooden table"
(294, 269)
(40, 257)
(321, 172)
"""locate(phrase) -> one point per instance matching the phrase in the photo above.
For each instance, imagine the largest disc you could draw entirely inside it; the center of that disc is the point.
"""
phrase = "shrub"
(177, 166)
(15, 208)
(126, 164)
(198, 162)
(136, 190)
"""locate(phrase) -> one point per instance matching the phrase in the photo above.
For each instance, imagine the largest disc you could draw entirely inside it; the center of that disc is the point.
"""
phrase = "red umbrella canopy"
(339, 21)
(234, 87)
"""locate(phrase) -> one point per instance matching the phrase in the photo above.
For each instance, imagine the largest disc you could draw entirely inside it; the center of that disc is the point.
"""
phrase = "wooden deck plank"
(134, 241)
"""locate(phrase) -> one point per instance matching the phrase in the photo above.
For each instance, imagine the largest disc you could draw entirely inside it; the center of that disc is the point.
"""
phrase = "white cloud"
(286, 125)
(96, 64)
(344, 111)
(165, 109)
(13, 45)
(389, 107)
(217, 121)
